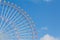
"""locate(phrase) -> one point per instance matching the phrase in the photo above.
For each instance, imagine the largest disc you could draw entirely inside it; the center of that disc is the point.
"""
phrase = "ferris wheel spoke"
(21, 21)
(12, 16)
(26, 37)
(25, 32)
(5, 11)
(12, 11)
(18, 18)
(10, 30)
(2, 10)
(21, 25)
(2, 22)
(7, 19)
(13, 19)
(9, 22)
(23, 28)
(10, 34)
(8, 12)
(2, 15)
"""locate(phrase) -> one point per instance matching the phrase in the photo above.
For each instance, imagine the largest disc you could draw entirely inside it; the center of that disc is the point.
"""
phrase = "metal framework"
(15, 24)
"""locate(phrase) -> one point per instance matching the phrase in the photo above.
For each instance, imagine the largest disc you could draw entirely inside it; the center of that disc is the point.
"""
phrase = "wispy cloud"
(48, 37)
(47, 0)
(39, 1)
(44, 28)
(35, 1)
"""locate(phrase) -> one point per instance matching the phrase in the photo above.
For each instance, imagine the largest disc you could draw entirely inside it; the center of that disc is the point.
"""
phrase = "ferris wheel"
(15, 24)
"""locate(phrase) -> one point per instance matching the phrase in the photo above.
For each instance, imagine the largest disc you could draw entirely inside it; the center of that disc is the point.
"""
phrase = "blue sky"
(45, 14)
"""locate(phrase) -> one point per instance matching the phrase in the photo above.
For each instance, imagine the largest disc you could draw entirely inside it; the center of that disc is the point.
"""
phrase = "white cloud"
(48, 37)
(44, 28)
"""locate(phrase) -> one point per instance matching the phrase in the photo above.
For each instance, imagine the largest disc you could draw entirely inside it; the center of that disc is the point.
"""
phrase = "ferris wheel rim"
(24, 14)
